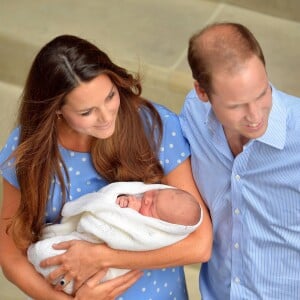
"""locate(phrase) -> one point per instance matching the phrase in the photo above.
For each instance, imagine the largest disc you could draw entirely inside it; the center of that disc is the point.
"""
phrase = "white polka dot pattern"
(167, 283)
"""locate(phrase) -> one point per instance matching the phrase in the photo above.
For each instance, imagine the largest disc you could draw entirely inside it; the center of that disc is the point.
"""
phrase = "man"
(245, 142)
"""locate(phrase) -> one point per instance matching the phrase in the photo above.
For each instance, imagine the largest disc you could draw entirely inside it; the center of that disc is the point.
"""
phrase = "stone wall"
(287, 9)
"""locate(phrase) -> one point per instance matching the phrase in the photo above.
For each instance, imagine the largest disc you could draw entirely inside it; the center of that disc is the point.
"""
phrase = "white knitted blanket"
(96, 217)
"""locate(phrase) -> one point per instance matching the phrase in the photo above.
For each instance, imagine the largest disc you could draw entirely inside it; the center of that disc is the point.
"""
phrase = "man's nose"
(253, 112)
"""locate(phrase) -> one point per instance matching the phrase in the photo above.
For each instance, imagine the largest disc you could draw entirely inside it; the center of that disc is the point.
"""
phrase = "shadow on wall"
(15, 55)
(288, 9)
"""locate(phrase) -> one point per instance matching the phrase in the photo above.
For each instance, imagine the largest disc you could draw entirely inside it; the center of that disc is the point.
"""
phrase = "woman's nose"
(102, 115)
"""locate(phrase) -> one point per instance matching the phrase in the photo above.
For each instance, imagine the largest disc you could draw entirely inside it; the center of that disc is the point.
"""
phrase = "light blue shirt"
(167, 283)
(254, 201)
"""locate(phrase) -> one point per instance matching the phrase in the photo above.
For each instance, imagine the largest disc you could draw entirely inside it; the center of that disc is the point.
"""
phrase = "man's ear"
(200, 92)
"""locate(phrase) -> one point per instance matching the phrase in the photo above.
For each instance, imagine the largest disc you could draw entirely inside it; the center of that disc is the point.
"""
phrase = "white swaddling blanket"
(96, 217)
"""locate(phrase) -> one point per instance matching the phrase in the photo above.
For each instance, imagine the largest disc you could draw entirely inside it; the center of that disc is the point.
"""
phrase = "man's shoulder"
(291, 105)
(286, 99)
(194, 106)
(192, 97)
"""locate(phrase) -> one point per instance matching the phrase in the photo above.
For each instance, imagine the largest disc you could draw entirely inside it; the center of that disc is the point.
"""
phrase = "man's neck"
(235, 142)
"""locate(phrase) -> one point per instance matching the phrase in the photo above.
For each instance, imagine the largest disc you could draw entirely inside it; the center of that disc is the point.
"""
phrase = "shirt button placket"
(236, 254)
(237, 280)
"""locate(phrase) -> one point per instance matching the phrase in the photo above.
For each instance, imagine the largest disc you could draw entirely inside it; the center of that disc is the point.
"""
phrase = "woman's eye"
(86, 113)
(111, 95)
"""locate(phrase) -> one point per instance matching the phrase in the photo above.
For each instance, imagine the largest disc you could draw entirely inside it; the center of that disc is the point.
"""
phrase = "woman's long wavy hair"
(129, 154)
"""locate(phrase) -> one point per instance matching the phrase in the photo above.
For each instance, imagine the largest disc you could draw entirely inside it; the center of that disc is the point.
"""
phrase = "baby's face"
(152, 201)
(148, 203)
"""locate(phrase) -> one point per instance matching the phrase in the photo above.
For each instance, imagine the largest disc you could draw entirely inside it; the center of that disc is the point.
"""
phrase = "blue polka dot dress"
(161, 284)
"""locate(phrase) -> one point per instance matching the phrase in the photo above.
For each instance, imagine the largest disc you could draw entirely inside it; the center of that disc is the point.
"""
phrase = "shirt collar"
(275, 134)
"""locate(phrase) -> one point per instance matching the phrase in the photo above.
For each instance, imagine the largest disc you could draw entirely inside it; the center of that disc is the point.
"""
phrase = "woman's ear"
(200, 92)
(58, 114)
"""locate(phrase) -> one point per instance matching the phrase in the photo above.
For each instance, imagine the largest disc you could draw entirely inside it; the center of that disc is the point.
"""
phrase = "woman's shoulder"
(11, 143)
(14, 134)
(7, 169)
(163, 110)
(167, 116)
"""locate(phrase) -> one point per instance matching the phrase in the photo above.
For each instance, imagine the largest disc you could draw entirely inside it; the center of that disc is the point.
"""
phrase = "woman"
(82, 125)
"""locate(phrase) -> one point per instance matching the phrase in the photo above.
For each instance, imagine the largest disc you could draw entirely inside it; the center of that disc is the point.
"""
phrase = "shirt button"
(237, 280)
(236, 246)
(237, 211)
(237, 177)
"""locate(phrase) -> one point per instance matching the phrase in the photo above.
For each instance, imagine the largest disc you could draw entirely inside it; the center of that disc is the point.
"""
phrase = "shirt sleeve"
(7, 168)
(174, 147)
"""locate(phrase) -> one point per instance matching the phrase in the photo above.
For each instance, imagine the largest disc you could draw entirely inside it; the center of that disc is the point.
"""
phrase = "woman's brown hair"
(129, 154)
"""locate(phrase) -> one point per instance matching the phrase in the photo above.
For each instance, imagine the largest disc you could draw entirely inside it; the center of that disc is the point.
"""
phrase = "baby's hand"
(122, 201)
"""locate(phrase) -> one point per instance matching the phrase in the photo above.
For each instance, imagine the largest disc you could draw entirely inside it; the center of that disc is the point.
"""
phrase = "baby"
(170, 205)
(126, 215)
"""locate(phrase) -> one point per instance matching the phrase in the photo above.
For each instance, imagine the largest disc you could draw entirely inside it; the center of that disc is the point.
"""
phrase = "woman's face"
(91, 109)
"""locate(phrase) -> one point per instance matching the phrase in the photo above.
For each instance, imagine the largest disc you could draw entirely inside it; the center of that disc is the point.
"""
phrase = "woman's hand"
(78, 263)
(107, 290)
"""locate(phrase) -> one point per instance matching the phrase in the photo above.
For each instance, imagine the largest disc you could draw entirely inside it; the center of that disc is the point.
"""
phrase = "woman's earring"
(58, 115)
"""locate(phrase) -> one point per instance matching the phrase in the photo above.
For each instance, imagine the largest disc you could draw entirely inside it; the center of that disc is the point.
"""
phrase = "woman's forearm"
(193, 249)
(14, 262)
(22, 274)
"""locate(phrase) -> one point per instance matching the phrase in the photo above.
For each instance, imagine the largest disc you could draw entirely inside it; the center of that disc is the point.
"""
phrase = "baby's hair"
(182, 209)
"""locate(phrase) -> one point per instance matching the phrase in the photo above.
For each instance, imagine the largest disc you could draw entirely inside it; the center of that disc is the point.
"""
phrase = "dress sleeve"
(7, 168)
(174, 147)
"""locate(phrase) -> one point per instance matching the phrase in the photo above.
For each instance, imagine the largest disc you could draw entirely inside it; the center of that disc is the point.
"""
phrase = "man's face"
(242, 102)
